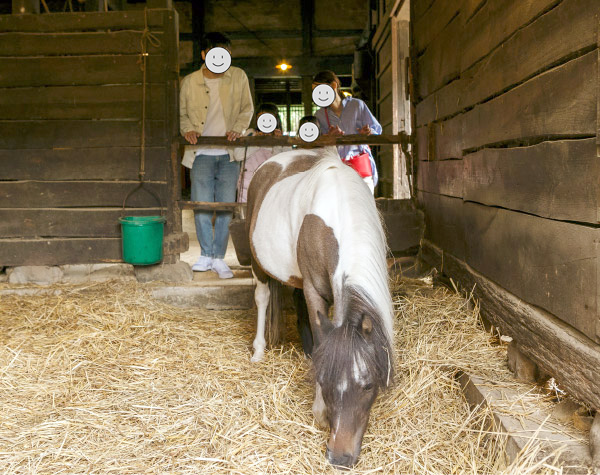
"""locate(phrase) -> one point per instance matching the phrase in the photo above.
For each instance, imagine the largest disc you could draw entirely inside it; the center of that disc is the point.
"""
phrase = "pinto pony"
(313, 225)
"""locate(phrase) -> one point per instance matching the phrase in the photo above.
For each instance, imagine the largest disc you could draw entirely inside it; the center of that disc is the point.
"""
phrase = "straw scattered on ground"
(103, 379)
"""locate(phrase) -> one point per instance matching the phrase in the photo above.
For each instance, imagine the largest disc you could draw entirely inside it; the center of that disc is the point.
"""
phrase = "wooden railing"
(401, 139)
(286, 141)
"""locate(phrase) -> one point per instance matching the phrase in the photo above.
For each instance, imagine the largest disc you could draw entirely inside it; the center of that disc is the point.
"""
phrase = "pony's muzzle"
(344, 460)
(345, 441)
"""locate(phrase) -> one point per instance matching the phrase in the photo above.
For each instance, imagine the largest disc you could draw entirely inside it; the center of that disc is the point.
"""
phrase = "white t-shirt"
(215, 120)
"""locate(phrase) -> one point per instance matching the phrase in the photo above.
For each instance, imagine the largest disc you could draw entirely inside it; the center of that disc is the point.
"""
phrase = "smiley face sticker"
(309, 132)
(218, 60)
(266, 123)
(323, 95)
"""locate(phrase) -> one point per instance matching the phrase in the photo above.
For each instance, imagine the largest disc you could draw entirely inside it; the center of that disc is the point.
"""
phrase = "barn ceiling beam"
(301, 65)
(278, 34)
(264, 66)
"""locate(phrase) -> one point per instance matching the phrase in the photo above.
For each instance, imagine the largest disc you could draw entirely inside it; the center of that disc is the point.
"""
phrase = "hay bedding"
(102, 379)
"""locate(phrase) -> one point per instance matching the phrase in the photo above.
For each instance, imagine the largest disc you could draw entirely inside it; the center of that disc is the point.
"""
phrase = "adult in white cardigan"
(214, 104)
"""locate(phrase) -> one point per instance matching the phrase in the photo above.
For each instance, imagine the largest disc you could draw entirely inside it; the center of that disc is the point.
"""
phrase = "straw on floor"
(102, 379)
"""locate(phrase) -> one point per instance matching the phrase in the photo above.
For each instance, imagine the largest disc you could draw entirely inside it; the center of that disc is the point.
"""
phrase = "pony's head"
(352, 363)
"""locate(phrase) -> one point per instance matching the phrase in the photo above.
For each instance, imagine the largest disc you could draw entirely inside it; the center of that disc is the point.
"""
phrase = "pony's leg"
(261, 297)
(319, 408)
(303, 322)
(318, 308)
(316, 305)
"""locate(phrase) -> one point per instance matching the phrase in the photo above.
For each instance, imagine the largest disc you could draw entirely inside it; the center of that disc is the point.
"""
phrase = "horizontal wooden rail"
(210, 206)
(286, 141)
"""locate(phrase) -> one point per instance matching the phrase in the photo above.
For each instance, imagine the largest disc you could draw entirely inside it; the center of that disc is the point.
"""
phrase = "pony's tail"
(274, 321)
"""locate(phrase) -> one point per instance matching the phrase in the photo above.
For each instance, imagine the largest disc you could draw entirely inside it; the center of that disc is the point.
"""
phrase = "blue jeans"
(214, 178)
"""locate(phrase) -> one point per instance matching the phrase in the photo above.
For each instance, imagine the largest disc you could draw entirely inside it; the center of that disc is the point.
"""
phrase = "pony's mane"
(345, 343)
(364, 245)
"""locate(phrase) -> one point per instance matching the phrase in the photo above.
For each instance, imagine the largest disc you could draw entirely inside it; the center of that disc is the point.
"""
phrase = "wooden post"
(597, 125)
(197, 31)
(288, 109)
(307, 94)
(307, 12)
(400, 39)
(174, 219)
(396, 87)
(20, 7)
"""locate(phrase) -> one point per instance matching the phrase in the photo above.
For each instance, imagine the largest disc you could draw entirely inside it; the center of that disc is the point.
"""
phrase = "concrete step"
(209, 292)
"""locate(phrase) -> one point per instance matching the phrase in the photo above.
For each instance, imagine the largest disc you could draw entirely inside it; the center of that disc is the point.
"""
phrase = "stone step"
(208, 291)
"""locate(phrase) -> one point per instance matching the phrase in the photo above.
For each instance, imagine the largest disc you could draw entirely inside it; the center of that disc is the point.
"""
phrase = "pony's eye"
(368, 387)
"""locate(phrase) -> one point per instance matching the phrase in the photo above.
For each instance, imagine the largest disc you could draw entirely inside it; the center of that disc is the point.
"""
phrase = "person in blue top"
(345, 116)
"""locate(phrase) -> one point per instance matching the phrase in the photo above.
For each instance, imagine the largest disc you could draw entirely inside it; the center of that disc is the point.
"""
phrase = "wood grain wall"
(70, 131)
(508, 171)
(384, 104)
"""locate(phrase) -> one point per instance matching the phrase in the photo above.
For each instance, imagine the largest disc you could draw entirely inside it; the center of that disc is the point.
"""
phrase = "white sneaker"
(219, 266)
(203, 264)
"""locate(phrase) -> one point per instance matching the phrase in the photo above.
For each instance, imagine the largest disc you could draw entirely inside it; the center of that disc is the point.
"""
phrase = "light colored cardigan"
(255, 157)
(193, 107)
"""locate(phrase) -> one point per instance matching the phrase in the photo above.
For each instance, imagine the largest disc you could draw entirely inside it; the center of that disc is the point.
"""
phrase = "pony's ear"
(326, 324)
(367, 325)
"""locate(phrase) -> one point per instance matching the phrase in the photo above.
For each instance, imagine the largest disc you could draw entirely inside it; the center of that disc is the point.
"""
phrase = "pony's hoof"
(257, 356)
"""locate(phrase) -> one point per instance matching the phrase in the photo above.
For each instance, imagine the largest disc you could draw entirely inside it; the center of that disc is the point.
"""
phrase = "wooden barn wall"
(507, 103)
(70, 131)
(384, 104)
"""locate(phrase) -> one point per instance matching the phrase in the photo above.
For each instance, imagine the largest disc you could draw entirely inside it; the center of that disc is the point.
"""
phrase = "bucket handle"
(149, 191)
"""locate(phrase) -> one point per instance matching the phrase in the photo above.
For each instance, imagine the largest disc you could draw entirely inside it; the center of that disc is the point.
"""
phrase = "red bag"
(361, 164)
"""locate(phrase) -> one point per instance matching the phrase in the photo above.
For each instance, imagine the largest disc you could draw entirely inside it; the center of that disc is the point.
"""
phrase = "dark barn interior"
(497, 102)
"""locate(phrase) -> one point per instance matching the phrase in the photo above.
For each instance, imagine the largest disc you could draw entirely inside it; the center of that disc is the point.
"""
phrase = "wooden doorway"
(401, 120)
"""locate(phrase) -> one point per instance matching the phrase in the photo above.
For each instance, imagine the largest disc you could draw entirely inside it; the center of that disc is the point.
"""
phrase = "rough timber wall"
(70, 128)
(384, 103)
(508, 171)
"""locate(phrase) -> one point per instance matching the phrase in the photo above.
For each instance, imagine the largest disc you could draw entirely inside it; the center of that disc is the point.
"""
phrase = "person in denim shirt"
(347, 115)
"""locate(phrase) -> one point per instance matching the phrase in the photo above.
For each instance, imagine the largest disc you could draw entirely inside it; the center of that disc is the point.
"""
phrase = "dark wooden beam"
(279, 34)
(288, 109)
(264, 66)
(285, 141)
(197, 32)
(211, 206)
(307, 12)
(307, 94)
(80, 21)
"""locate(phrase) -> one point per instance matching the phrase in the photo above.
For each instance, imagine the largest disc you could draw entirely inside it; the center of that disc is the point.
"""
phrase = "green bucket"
(142, 239)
